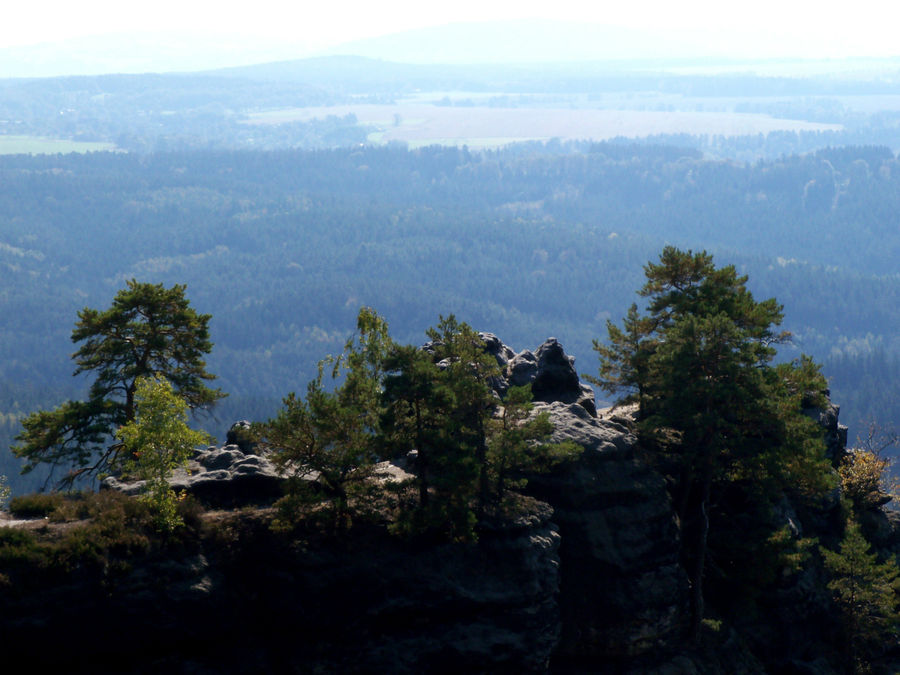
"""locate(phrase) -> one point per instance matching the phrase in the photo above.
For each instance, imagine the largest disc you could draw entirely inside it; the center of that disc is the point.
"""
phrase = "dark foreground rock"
(258, 602)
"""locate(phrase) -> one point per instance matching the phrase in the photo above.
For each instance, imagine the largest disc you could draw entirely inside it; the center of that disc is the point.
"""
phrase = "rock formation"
(590, 581)
(219, 477)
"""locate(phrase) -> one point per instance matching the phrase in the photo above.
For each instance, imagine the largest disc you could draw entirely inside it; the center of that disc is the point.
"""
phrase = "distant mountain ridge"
(524, 41)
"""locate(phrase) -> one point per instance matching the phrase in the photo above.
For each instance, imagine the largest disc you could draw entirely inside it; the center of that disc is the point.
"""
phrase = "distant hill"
(524, 41)
(145, 52)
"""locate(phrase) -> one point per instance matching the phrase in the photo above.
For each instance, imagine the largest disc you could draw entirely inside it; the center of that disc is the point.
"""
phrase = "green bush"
(37, 505)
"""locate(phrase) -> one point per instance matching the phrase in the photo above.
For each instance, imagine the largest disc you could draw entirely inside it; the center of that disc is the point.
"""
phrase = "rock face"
(251, 601)
(623, 593)
(835, 433)
(485, 608)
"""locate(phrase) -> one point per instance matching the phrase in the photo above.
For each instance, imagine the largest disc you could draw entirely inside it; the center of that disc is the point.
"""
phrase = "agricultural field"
(423, 124)
(35, 145)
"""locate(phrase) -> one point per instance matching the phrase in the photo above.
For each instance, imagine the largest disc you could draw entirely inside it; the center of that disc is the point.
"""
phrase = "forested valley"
(283, 248)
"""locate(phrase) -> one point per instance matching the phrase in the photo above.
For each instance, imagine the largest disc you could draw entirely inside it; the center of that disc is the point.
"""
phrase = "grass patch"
(116, 530)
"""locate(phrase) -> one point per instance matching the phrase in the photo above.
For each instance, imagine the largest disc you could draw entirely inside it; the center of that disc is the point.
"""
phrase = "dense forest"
(284, 247)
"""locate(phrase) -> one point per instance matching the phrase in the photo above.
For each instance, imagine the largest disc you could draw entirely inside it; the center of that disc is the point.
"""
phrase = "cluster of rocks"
(548, 369)
(230, 475)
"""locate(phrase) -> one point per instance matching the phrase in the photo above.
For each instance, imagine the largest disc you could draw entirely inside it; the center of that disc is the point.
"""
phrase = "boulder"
(522, 369)
(497, 349)
(557, 380)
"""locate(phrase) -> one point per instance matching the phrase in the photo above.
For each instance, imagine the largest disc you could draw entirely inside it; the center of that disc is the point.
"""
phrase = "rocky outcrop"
(827, 417)
(223, 476)
(549, 370)
(623, 593)
(589, 582)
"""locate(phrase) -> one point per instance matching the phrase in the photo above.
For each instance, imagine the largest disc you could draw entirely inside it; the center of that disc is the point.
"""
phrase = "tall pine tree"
(712, 407)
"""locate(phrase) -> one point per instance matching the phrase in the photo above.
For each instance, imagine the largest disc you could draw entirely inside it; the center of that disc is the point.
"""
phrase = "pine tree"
(417, 408)
(865, 590)
(624, 361)
(438, 402)
(149, 330)
(711, 405)
(327, 442)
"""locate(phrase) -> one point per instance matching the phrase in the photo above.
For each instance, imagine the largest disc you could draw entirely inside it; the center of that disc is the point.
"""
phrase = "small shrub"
(75, 506)
(37, 505)
(20, 555)
(118, 528)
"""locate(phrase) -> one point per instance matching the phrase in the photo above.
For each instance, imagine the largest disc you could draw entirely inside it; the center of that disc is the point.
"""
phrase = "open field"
(420, 124)
(34, 145)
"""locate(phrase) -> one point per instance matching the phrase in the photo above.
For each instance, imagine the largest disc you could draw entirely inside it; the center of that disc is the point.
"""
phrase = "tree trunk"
(697, 600)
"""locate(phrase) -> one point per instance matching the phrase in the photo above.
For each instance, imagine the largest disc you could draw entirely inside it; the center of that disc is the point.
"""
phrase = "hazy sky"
(794, 27)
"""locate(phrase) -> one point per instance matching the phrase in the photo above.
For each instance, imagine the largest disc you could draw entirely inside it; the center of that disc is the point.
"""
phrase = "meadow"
(479, 126)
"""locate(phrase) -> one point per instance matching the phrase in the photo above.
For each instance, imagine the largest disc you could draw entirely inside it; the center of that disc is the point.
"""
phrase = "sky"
(827, 29)
(279, 29)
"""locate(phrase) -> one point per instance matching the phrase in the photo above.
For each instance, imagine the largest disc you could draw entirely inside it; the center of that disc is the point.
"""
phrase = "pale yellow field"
(34, 145)
(419, 124)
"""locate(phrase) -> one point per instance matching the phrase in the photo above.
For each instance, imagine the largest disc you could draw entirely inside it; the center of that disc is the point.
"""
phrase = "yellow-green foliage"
(865, 479)
(157, 442)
